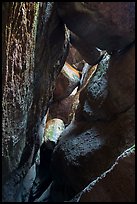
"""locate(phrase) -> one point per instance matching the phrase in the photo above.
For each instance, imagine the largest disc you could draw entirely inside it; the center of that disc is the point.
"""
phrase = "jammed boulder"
(75, 59)
(62, 109)
(110, 90)
(67, 81)
(86, 150)
(53, 129)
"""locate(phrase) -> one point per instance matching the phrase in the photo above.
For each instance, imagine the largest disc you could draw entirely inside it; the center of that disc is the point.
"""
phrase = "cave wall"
(34, 49)
(104, 123)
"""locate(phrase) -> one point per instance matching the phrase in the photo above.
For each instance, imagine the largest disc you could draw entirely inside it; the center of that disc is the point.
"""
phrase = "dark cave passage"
(68, 85)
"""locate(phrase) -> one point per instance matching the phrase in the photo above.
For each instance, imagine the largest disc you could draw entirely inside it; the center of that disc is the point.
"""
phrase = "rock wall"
(98, 134)
(34, 51)
(104, 124)
(115, 185)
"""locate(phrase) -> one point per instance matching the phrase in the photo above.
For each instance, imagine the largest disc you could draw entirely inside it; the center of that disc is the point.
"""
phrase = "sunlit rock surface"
(67, 81)
(53, 129)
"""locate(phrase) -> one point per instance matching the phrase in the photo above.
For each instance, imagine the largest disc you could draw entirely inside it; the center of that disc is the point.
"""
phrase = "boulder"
(111, 91)
(90, 54)
(86, 149)
(75, 59)
(66, 82)
(53, 129)
(97, 26)
(102, 128)
(62, 109)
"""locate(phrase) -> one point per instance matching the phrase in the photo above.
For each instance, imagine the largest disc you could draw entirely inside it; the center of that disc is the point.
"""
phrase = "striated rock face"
(34, 51)
(18, 73)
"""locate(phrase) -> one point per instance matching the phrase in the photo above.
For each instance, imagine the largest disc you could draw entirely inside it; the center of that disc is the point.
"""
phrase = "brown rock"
(97, 26)
(100, 131)
(67, 81)
(115, 185)
(111, 91)
(89, 53)
(75, 59)
(62, 109)
(30, 68)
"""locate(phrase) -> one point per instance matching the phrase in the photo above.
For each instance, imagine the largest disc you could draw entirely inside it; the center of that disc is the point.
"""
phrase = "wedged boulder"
(115, 185)
(75, 59)
(53, 129)
(62, 109)
(34, 51)
(97, 26)
(67, 81)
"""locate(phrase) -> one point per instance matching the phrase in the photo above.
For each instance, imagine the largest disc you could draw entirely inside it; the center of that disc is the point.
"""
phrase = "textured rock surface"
(18, 72)
(86, 150)
(98, 26)
(34, 49)
(115, 185)
(32, 58)
(99, 134)
(111, 91)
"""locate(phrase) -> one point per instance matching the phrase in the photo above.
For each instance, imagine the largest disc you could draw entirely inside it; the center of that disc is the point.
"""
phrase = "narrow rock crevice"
(68, 103)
